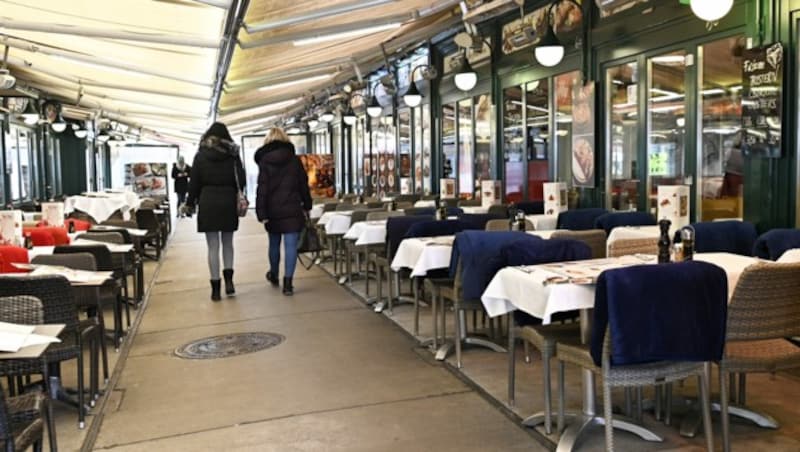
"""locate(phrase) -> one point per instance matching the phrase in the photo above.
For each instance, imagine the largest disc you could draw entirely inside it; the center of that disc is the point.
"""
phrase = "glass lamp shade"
(313, 123)
(81, 133)
(349, 118)
(59, 126)
(327, 116)
(412, 97)
(103, 137)
(374, 109)
(549, 55)
(30, 116)
(711, 10)
(466, 78)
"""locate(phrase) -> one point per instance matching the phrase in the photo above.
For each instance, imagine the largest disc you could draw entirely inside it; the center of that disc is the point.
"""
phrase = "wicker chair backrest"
(106, 237)
(765, 303)
(379, 215)
(595, 238)
(55, 293)
(627, 247)
(77, 261)
(102, 256)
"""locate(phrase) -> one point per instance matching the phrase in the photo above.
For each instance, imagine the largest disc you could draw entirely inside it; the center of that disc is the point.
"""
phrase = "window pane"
(621, 86)
(537, 101)
(666, 110)
(391, 147)
(426, 148)
(404, 119)
(418, 159)
(466, 185)
(513, 143)
(722, 162)
(25, 173)
(483, 141)
(564, 85)
(12, 162)
(448, 141)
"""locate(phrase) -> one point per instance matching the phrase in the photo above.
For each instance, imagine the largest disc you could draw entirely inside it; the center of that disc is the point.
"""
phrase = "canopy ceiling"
(154, 63)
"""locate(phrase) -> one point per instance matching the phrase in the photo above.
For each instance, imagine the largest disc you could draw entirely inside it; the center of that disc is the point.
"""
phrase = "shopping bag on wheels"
(309, 242)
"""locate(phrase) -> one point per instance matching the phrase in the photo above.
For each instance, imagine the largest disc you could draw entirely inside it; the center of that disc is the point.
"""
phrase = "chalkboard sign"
(762, 71)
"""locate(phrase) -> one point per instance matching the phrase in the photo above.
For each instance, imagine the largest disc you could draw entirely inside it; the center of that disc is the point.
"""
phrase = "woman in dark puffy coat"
(213, 190)
(282, 202)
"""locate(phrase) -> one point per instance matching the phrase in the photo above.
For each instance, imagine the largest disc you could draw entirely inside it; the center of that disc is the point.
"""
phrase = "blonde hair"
(276, 134)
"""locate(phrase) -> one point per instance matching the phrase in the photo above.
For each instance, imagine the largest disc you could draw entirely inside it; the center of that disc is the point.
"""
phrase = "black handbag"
(309, 241)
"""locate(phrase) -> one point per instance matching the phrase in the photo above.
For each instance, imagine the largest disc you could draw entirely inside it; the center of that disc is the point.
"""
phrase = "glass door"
(483, 141)
(537, 126)
(513, 143)
(449, 156)
(466, 180)
(622, 84)
(404, 132)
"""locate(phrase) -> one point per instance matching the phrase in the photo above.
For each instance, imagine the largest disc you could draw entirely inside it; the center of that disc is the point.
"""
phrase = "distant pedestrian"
(180, 173)
(283, 200)
(213, 190)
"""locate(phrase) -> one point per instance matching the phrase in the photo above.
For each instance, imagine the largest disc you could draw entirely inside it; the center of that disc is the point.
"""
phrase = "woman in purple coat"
(282, 202)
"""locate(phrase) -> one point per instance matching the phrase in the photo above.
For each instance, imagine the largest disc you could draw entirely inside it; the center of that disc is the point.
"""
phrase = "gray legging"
(212, 240)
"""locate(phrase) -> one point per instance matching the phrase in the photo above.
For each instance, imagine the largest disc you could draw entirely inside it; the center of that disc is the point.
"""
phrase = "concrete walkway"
(345, 379)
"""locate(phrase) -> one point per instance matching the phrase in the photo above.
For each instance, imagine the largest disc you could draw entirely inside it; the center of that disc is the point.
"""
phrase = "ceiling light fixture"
(549, 51)
(327, 115)
(711, 10)
(315, 78)
(413, 97)
(349, 116)
(59, 125)
(466, 78)
(347, 34)
(30, 116)
(81, 133)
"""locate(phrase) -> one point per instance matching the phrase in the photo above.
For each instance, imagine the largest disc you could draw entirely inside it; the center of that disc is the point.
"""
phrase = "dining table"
(542, 221)
(543, 290)
(101, 205)
(367, 232)
(632, 232)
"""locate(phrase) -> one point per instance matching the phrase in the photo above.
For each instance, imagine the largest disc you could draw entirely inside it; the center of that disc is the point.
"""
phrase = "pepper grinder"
(664, 242)
(687, 238)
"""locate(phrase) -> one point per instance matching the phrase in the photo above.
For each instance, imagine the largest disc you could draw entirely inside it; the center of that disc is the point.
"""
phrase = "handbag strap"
(236, 176)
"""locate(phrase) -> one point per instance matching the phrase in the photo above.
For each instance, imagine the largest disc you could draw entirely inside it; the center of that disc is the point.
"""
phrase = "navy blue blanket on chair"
(477, 220)
(579, 219)
(396, 229)
(475, 249)
(455, 211)
(736, 237)
(772, 244)
(531, 207)
(434, 228)
(609, 221)
(665, 312)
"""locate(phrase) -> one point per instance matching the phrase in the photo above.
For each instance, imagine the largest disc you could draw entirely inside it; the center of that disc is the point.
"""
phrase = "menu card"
(53, 214)
(762, 73)
(491, 193)
(11, 227)
(673, 205)
(555, 197)
(14, 337)
(447, 188)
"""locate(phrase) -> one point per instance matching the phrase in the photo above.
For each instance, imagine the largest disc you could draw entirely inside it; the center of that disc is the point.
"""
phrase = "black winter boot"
(273, 278)
(229, 289)
(215, 296)
(287, 286)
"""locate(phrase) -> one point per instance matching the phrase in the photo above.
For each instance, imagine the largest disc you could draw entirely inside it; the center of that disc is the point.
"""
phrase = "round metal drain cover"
(228, 345)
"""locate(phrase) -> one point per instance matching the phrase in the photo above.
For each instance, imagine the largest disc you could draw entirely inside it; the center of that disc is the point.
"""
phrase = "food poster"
(583, 171)
(491, 193)
(147, 179)
(673, 205)
(321, 175)
(53, 214)
(11, 227)
(405, 186)
(555, 197)
(447, 188)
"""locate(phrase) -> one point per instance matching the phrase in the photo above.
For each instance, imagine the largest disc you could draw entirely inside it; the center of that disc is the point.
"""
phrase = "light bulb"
(549, 55)
(711, 10)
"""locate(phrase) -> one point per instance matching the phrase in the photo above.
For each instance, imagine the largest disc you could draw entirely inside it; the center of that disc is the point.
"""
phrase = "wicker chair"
(110, 291)
(595, 238)
(350, 248)
(124, 264)
(763, 311)
(137, 261)
(376, 257)
(500, 210)
(505, 225)
(147, 219)
(469, 203)
(343, 207)
(22, 417)
(58, 302)
(626, 247)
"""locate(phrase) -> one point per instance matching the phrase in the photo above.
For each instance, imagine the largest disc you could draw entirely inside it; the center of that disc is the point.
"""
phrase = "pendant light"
(59, 125)
(313, 122)
(103, 136)
(30, 116)
(412, 97)
(81, 132)
(549, 51)
(327, 115)
(466, 78)
(349, 117)
(711, 10)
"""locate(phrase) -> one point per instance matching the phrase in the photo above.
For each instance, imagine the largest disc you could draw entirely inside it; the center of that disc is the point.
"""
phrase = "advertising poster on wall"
(583, 174)
(762, 74)
(147, 179)
(321, 175)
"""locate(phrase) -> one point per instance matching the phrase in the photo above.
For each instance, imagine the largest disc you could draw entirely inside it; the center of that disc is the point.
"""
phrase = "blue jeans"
(290, 249)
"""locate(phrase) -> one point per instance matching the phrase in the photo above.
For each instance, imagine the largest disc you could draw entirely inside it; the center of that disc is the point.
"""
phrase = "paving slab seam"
(290, 416)
(100, 407)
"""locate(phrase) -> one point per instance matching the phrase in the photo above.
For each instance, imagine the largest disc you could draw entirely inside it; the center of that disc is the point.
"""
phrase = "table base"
(444, 349)
(583, 422)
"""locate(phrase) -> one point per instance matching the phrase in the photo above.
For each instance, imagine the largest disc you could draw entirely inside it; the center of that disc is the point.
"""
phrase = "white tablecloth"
(512, 288)
(475, 209)
(323, 220)
(432, 253)
(790, 256)
(543, 222)
(367, 232)
(425, 203)
(338, 224)
(316, 211)
(131, 231)
(101, 206)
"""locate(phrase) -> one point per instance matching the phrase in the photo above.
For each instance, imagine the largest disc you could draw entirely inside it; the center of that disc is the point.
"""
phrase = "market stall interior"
(612, 185)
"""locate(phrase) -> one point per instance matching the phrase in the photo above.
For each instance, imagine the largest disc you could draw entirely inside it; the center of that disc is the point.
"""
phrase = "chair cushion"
(772, 244)
(12, 255)
(666, 312)
(736, 237)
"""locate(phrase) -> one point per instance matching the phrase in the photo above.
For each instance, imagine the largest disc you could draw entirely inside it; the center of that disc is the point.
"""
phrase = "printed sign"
(148, 179)
(555, 197)
(491, 192)
(53, 214)
(583, 135)
(447, 188)
(673, 205)
(762, 73)
(320, 171)
(11, 227)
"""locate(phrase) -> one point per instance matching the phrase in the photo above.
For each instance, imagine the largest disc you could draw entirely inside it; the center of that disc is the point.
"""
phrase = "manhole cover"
(228, 345)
